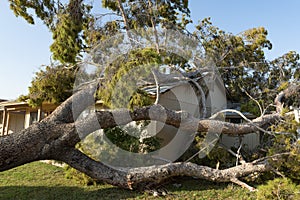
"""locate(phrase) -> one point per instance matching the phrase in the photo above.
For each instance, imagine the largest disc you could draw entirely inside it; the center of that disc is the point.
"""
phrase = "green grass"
(42, 181)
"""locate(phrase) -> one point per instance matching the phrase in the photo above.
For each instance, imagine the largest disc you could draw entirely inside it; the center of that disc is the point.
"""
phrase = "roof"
(17, 105)
(12, 104)
(151, 89)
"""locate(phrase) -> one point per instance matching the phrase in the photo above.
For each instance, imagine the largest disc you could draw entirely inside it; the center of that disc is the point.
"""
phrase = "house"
(15, 116)
(185, 96)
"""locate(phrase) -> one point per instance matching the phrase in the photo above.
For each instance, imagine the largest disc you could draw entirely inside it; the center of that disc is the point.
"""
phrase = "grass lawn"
(42, 181)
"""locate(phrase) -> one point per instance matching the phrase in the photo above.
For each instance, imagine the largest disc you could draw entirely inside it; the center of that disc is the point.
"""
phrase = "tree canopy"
(77, 27)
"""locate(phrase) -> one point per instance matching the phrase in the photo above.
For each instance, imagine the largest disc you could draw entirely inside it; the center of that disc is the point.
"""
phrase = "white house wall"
(175, 141)
(249, 141)
(216, 99)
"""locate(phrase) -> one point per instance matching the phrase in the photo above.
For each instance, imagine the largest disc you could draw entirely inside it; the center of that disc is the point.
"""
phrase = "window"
(236, 120)
(33, 117)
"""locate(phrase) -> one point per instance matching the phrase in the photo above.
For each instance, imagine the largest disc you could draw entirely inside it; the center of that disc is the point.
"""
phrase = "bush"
(287, 164)
(280, 188)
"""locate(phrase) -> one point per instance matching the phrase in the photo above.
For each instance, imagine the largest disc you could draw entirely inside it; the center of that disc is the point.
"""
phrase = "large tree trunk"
(55, 138)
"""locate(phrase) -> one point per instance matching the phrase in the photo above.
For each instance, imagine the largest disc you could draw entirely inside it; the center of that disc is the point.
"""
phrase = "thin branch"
(260, 108)
(245, 118)
(150, 8)
(265, 110)
(244, 185)
(270, 157)
(202, 150)
(99, 16)
(125, 19)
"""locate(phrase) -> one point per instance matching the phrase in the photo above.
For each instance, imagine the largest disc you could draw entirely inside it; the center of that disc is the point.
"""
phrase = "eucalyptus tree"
(77, 27)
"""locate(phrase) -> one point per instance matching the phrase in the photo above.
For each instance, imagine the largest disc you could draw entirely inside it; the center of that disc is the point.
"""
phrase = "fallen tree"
(55, 138)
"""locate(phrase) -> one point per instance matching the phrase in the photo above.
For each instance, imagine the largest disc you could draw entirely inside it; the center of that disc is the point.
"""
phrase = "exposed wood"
(279, 100)
(244, 185)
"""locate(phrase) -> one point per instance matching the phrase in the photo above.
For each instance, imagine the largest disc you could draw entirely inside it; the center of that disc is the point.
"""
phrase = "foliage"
(240, 58)
(65, 21)
(280, 188)
(252, 107)
(66, 42)
(149, 13)
(119, 91)
(113, 144)
(218, 156)
(289, 165)
(54, 84)
(131, 139)
(45, 11)
(242, 63)
(284, 69)
(75, 29)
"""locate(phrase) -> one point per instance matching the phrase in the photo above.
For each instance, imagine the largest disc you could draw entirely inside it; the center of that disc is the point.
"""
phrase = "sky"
(24, 48)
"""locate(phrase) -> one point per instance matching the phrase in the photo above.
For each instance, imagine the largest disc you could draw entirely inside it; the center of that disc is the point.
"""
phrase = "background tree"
(54, 84)
(65, 21)
(243, 66)
(74, 28)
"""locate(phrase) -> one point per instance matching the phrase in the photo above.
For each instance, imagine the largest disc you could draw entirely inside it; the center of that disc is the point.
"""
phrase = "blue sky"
(24, 48)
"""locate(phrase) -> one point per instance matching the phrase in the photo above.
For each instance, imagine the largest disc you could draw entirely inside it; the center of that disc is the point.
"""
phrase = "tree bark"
(55, 138)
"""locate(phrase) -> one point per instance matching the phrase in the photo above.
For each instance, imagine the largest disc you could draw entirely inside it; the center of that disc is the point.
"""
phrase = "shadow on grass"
(57, 193)
(177, 188)
(191, 184)
(189, 188)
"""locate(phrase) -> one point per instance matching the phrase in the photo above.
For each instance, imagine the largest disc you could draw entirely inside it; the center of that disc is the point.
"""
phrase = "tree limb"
(135, 178)
(178, 119)
(55, 138)
(279, 100)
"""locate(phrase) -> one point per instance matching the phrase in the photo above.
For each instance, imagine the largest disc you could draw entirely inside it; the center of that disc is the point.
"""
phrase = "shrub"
(280, 188)
(287, 164)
